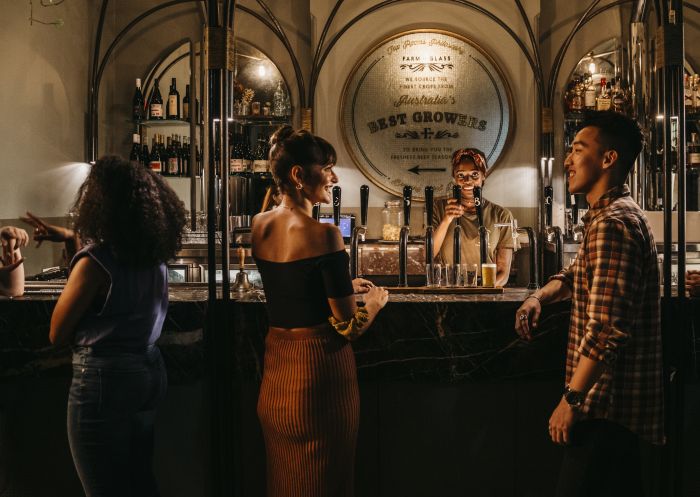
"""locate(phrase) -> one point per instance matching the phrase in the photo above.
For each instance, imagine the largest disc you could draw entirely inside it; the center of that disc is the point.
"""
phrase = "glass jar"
(392, 220)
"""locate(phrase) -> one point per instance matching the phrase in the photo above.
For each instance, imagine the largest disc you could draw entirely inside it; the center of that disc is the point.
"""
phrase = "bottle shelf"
(260, 120)
(163, 122)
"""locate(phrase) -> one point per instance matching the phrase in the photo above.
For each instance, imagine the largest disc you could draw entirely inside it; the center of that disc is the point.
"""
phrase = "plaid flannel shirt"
(615, 315)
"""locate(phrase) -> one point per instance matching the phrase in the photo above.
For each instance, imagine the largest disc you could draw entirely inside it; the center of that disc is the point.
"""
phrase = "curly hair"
(297, 148)
(130, 209)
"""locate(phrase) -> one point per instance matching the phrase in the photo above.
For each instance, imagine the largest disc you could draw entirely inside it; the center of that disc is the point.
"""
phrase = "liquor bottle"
(186, 104)
(239, 162)
(154, 161)
(173, 102)
(694, 150)
(589, 96)
(135, 154)
(577, 99)
(155, 105)
(198, 162)
(693, 174)
(173, 164)
(687, 93)
(260, 162)
(137, 107)
(185, 154)
(165, 158)
(278, 100)
(145, 156)
(696, 93)
(619, 99)
(603, 101)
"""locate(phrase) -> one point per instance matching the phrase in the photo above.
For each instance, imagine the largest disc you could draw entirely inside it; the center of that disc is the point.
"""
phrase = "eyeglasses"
(474, 176)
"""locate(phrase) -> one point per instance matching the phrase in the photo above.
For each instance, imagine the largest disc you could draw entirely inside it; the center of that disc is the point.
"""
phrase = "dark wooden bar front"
(453, 403)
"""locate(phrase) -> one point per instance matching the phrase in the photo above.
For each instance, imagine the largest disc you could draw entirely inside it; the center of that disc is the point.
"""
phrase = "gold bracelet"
(353, 328)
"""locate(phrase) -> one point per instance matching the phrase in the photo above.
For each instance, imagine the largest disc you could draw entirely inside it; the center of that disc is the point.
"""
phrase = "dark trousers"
(111, 413)
(602, 460)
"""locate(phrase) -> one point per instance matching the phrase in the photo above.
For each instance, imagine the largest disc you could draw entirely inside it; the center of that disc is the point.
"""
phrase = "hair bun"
(281, 134)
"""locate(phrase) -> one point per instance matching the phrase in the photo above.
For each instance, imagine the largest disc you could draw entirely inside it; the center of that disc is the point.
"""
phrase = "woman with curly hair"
(112, 311)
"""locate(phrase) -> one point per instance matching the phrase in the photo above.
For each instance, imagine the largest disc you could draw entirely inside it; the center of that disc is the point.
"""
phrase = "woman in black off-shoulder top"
(309, 401)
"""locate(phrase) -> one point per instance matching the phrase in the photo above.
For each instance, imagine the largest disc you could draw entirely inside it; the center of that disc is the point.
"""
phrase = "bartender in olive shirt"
(468, 171)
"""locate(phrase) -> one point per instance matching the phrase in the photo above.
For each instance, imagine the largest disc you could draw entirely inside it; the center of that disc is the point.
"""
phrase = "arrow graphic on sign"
(418, 169)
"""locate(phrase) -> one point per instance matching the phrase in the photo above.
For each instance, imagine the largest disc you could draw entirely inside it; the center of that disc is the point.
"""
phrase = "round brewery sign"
(415, 98)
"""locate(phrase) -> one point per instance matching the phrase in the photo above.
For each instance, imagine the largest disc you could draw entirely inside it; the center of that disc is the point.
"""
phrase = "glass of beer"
(488, 275)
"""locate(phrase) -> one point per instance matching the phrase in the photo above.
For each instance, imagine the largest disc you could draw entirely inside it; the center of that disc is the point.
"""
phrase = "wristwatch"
(574, 398)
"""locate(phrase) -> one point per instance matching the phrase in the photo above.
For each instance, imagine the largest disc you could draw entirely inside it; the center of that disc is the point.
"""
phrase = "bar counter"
(452, 402)
(446, 337)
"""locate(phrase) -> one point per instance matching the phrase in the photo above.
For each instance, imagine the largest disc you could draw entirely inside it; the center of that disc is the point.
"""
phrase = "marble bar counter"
(451, 398)
(447, 337)
(444, 337)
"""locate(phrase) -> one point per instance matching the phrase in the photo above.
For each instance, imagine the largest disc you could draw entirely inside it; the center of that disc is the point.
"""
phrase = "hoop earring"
(299, 186)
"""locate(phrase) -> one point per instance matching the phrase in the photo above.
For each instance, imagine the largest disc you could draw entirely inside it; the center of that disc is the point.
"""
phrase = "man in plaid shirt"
(613, 396)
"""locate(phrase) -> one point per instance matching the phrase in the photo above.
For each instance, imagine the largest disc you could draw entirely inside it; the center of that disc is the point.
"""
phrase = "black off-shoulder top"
(297, 291)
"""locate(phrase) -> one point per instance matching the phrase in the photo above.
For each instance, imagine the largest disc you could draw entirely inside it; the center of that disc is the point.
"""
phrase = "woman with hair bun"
(111, 311)
(309, 400)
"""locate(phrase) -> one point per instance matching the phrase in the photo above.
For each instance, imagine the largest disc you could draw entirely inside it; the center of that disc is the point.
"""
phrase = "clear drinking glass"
(430, 275)
(471, 274)
(433, 273)
(450, 274)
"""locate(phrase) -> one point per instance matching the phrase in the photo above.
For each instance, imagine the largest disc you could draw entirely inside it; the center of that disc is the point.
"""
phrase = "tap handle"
(477, 205)
(364, 204)
(407, 193)
(548, 201)
(457, 193)
(316, 212)
(574, 210)
(336, 205)
(429, 205)
(241, 258)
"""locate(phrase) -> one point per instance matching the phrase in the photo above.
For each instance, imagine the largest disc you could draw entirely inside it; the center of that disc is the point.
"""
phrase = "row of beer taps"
(360, 231)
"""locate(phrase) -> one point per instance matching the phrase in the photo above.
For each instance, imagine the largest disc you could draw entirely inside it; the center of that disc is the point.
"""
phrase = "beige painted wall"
(43, 98)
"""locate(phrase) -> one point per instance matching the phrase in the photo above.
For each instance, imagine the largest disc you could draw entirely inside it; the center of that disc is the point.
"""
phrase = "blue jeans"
(111, 413)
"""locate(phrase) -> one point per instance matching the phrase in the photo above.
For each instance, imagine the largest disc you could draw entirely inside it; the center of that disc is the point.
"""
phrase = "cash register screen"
(347, 223)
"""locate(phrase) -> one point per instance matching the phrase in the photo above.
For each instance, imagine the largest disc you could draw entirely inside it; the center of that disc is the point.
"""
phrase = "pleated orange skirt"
(309, 409)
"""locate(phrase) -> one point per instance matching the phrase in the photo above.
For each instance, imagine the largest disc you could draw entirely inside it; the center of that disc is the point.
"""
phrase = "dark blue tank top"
(131, 316)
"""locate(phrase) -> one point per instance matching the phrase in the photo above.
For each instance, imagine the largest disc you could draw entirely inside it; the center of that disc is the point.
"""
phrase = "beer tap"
(534, 283)
(457, 233)
(553, 234)
(359, 232)
(336, 205)
(316, 212)
(548, 202)
(403, 236)
(483, 233)
(429, 225)
(576, 228)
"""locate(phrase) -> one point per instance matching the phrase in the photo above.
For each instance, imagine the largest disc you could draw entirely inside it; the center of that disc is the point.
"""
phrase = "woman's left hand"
(361, 285)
